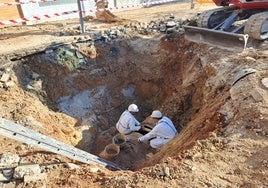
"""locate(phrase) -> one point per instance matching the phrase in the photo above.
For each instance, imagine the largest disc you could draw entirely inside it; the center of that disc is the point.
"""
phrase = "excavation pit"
(95, 81)
(95, 89)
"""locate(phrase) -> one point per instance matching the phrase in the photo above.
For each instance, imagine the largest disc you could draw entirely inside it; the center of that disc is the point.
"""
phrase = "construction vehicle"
(232, 25)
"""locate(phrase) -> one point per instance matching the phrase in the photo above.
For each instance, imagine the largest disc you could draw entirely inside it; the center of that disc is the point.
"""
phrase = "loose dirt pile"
(76, 91)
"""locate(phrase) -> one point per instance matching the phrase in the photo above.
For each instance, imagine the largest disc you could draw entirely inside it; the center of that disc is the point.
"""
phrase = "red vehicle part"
(232, 24)
(243, 4)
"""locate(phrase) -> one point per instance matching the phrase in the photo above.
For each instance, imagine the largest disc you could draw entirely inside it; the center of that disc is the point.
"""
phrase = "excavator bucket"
(221, 39)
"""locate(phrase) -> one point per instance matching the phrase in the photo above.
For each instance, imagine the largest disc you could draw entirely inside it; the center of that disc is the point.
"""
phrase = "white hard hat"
(156, 114)
(133, 108)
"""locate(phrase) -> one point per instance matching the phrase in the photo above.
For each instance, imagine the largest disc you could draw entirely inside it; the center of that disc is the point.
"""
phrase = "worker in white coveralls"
(127, 123)
(163, 131)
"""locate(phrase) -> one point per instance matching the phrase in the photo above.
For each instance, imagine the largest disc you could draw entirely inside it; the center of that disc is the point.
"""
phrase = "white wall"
(33, 9)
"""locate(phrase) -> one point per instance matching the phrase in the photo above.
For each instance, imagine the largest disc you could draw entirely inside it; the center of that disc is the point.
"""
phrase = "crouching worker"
(163, 131)
(127, 123)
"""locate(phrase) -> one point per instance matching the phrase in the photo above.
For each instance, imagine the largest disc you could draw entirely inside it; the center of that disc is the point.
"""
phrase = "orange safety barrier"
(8, 12)
(204, 1)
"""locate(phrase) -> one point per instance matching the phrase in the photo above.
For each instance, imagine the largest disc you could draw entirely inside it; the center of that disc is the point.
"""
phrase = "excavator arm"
(230, 26)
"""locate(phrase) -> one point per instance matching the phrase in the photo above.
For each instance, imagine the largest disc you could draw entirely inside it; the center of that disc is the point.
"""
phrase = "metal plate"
(221, 39)
(33, 138)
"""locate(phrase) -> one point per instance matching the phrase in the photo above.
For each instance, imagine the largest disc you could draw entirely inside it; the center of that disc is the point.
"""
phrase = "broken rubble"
(5, 77)
(34, 177)
(264, 81)
(72, 166)
(9, 158)
(26, 169)
(6, 175)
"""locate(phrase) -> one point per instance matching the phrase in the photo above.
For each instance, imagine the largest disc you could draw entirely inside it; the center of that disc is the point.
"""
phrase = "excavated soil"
(216, 98)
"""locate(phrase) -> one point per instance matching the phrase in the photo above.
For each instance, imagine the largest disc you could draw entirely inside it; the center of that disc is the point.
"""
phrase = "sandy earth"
(222, 118)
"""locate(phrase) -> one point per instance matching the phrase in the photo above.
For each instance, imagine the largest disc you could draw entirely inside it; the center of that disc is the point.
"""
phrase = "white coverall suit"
(127, 123)
(161, 133)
